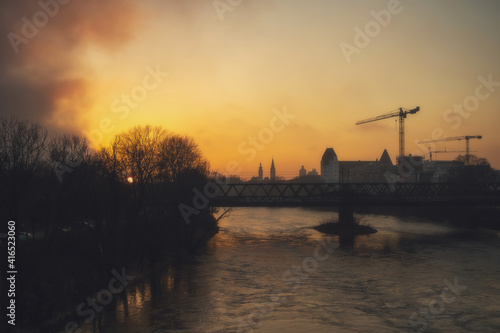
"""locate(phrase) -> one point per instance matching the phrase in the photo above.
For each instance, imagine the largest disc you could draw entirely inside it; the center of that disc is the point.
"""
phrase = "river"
(265, 271)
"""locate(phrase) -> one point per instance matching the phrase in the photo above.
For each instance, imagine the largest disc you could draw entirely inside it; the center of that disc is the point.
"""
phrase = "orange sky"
(227, 78)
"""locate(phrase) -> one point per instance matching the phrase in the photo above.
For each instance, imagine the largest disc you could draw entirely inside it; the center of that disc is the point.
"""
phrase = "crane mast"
(401, 114)
(402, 145)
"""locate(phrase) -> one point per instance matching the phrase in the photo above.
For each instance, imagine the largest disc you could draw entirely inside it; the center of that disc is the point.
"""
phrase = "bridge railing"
(355, 191)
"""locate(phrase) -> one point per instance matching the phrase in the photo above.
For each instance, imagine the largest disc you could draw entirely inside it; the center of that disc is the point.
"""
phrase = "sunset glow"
(220, 77)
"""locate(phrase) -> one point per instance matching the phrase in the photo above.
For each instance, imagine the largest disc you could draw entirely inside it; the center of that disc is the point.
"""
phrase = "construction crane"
(401, 113)
(443, 151)
(455, 138)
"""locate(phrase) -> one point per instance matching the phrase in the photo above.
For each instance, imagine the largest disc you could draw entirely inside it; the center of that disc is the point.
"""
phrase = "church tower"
(261, 173)
(273, 171)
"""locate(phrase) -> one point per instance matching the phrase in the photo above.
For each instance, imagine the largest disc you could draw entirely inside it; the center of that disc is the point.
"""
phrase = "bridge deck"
(359, 194)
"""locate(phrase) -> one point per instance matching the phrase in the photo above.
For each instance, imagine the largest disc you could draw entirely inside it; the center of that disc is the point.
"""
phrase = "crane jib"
(402, 114)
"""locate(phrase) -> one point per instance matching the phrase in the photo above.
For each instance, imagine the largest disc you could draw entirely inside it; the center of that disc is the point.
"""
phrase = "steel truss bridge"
(353, 194)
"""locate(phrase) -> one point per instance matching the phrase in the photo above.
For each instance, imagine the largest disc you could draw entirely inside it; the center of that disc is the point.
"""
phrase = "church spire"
(273, 171)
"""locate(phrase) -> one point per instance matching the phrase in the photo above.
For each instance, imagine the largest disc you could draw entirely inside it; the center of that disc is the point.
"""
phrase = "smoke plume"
(43, 74)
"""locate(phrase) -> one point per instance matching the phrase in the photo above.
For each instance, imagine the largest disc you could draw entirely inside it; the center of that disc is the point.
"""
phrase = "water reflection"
(346, 241)
(373, 284)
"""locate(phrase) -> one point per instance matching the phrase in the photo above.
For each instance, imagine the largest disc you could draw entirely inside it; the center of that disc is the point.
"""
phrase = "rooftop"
(328, 155)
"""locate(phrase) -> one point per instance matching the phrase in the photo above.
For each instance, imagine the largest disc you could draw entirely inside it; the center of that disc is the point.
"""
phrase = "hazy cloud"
(43, 75)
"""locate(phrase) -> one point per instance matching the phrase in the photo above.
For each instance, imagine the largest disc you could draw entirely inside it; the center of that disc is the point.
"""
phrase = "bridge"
(354, 194)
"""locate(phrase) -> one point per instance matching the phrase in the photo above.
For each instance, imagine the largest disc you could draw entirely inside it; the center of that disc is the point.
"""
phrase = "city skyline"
(329, 154)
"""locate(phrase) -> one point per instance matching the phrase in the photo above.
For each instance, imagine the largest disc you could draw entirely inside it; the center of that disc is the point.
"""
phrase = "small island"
(333, 226)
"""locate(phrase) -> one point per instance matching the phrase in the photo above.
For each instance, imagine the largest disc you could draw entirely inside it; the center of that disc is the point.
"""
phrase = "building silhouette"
(302, 172)
(335, 171)
(378, 171)
(385, 159)
(308, 177)
(313, 172)
(330, 166)
(261, 179)
(273, 171)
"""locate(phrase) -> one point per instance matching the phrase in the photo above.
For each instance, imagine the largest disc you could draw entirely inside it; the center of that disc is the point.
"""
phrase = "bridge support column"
(346, 215)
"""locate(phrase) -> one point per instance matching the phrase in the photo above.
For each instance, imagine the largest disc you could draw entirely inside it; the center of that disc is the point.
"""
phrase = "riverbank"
(58, 278)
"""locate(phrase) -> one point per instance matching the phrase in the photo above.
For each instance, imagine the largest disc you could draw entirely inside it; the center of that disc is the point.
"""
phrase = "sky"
(253, 80)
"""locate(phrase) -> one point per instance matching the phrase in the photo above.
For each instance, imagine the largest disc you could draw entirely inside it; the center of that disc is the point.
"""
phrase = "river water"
(266, 272)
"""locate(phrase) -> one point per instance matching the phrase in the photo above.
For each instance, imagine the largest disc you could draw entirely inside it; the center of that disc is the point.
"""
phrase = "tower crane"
(455, 138)
(401, 113)
(443, 151)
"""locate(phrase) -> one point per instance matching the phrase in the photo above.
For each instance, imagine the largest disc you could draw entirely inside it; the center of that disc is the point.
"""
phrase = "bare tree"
(147, 171)
(66, 153)
(137, 151)
(477, 170)
(22, 146)
(70, 158)
(133, 157)
(177, 155)
(472, 160)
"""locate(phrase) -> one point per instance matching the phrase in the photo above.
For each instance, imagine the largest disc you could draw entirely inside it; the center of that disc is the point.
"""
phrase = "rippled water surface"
(266, 272)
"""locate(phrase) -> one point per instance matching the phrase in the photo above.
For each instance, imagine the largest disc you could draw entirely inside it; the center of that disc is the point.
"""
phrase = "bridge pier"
(346, 214)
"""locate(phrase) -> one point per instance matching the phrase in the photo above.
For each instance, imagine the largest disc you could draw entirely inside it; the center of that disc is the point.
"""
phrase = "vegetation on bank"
(87, 212)
(333, 226)
(472, 169)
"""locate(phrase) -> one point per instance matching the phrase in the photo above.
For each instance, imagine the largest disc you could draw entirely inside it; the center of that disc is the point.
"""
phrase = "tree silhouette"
(69, 199)
(177, 155)
(22, 148)
(473, 160)
(162, 169)
(94, 218)
(478, 170)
